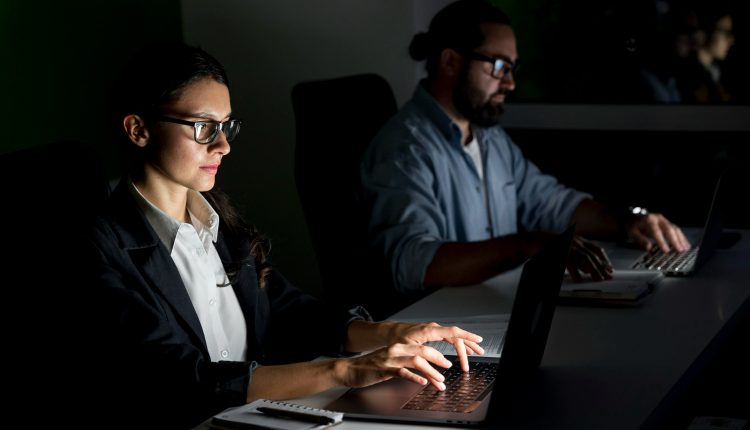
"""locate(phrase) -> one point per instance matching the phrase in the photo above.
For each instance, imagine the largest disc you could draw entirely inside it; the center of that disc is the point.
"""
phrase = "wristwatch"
(626, 217)
(637, 210)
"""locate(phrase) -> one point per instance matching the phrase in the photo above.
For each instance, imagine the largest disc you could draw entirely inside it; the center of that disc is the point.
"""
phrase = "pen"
(297, 415)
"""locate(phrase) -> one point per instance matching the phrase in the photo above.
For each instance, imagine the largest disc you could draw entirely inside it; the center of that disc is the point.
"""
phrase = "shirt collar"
(203, 217)
(435, 113)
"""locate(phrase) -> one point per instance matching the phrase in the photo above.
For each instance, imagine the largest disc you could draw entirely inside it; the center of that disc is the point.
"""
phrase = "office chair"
(49, 194)
(62, 181)
(335, 121)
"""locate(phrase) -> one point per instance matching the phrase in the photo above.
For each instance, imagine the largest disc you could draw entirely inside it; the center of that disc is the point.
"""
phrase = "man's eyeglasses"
(207, 131)
(500, 67)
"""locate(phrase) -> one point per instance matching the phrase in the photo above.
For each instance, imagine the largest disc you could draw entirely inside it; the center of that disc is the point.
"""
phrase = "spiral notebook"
(626, 288)
(269, 414)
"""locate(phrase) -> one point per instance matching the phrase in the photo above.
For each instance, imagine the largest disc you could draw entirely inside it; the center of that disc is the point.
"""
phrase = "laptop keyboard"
(656, 259)
(464, 391)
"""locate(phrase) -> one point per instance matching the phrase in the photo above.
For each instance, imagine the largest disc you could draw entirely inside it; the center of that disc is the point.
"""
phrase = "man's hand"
(589, 258)
(654, 227)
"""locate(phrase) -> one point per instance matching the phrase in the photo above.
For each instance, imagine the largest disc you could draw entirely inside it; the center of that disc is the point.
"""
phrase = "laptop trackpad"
(383, 398)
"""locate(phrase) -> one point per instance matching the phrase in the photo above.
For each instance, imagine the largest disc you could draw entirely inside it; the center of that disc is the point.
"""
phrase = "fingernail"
(480, 339)
(442, 386)
(448, 363)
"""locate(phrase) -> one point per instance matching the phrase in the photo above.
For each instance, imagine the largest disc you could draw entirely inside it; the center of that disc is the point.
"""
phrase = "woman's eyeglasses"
(207, 131)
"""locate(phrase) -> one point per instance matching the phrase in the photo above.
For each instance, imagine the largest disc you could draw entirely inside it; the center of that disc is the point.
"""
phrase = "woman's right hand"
(397, 360)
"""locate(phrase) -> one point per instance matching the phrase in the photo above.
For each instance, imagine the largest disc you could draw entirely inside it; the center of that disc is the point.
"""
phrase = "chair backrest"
(335, 121)
(50, 194)
(59, 181)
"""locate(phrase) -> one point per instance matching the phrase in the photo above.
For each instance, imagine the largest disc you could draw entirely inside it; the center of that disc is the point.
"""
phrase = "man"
(452, 199)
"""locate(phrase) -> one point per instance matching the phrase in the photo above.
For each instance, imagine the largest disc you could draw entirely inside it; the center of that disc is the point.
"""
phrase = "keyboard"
(656, 259)
(464, 391)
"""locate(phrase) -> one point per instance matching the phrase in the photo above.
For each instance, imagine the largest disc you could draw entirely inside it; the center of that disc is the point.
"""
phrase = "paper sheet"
(625, 285)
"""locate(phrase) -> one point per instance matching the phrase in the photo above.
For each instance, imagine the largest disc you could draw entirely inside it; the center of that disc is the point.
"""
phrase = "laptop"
(466, 401)
(688, 262)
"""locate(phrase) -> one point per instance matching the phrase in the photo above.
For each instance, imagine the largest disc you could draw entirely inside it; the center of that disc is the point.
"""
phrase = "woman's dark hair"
(457, 26)
(235, 225)
(155, 76)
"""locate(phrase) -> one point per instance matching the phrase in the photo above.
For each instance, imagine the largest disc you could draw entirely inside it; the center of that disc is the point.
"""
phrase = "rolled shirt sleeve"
(407, 224)
(543, 203)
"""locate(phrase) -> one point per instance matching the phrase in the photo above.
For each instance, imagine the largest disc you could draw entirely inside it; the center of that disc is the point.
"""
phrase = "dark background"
(673, 172)
(60, 60)
(590, 51)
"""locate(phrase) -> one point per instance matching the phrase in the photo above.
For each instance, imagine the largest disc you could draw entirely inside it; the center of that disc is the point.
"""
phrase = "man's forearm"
(469, 263)
(595, 220)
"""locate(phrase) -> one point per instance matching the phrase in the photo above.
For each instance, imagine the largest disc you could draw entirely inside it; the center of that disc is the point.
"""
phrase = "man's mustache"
(501, 92)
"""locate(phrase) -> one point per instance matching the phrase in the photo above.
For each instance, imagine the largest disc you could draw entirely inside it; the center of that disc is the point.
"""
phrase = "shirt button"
(479, 189)
(488, 229)
(212, 302)
(224, 353)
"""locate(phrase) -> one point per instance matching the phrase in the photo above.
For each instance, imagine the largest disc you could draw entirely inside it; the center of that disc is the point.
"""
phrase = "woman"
(193, 317)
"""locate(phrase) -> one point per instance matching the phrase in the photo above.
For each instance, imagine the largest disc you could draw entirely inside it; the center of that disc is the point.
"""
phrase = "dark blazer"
(151, 336)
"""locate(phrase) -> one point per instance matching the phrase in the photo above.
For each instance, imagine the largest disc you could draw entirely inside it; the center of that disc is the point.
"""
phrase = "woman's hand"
(464, 342)
(394, 361)
(407, 351)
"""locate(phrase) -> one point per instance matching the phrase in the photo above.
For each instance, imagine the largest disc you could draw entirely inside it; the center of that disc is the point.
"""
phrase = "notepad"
(278, 415)
(625, 288)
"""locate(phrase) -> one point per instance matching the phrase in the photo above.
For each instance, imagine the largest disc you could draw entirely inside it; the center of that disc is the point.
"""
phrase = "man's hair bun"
(419, 48)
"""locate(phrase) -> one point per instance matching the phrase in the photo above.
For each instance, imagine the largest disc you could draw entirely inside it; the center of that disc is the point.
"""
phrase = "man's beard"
(470, 102)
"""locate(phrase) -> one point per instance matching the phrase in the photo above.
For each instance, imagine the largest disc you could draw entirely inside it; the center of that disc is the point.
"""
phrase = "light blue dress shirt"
(422, 190)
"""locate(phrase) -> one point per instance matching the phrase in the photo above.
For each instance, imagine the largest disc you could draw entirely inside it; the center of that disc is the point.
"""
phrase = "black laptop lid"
(530, 324)
(712, 230)
(534, 306)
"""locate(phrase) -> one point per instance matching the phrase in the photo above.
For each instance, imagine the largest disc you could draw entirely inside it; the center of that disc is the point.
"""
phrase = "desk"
(609, 368)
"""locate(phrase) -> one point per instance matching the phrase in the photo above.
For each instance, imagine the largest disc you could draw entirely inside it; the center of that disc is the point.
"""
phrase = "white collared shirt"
(192, 249)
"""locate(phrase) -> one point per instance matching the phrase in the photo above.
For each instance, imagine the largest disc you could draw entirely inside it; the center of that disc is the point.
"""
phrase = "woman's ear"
(136, 130)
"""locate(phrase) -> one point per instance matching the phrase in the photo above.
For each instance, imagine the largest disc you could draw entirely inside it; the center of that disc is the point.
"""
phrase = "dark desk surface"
(613, 368)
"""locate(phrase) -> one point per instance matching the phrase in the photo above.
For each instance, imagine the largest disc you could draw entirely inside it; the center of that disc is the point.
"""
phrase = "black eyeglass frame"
(220, 126)
(499, 65)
